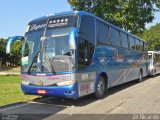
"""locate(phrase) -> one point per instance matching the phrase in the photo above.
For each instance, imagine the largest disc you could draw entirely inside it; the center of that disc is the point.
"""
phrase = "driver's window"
(86, 41)
(82, 53)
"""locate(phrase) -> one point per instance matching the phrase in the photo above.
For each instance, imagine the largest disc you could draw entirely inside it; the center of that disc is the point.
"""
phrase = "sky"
(155, 21)
(15, 14)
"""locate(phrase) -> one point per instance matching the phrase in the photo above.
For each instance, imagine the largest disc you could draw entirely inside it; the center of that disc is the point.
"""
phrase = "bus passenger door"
(83, 58)
(86, 43)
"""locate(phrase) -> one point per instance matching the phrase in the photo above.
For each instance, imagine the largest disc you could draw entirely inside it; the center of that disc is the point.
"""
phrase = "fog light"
(70, 92)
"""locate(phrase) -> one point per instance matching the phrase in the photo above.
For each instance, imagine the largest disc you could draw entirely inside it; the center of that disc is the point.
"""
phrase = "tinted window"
(115, 37)
(124, 40)
(62, 22)
(88, 28)
(36, 26)
(103, 33)
(145, 46)
(132, 42)
(86, 41)
(52, 23)
(141, 45)
(137, 44)
(82, 52)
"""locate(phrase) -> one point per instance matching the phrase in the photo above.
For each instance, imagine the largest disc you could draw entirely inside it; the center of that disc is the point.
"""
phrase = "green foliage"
(11, 91)
(2, 48)
(152, 36)
(16, 52)
(132, 15)
(157, 3)
(3, 55)
(13, 58)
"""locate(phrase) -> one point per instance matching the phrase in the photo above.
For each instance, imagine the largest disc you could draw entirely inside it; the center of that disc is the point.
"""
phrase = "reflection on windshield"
(46, 46)
(54, 55)
(30, 48)
(57, 46)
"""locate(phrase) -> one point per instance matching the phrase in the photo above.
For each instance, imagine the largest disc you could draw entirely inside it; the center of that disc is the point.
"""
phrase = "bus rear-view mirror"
(10, 42)
(72, 39)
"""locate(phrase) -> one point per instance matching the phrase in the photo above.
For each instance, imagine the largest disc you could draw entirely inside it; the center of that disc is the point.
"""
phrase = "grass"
(10, 91)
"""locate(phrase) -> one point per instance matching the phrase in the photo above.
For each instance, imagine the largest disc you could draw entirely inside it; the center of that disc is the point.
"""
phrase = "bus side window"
(82, 52)
(145, 47)
(86, 41)
(115, 37)
(88, 27)
(141, 45)
(124, 40)
(137, 44)
(102, 33)
(132, 45)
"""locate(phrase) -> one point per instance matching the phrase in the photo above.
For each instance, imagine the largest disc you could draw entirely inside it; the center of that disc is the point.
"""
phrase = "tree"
(132, 15)
(13, 58)
(2, 51)
(157, 2)
(16, 52)
(152, 36)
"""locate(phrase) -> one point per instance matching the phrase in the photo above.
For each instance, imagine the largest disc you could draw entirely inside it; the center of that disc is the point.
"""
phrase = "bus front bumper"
(70, 91)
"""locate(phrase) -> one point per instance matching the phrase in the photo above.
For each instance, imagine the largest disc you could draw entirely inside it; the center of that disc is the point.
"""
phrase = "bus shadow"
(83, 101)
(151, 76)
(124, 86)
(70, 102)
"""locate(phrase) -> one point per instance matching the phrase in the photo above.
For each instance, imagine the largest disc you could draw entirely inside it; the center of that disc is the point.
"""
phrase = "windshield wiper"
(29, 70)
(54, 72)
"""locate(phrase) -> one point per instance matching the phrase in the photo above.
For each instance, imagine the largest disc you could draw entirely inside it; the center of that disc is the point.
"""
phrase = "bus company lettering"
(58, 23)
(61, 77)
(37, 27)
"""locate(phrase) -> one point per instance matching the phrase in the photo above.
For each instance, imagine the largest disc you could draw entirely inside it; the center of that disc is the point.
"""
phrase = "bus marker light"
(41, 91)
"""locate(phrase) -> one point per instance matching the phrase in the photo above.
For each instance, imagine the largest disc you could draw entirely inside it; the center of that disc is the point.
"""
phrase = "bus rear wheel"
(100, 88)
(154, 73)
(140, 79)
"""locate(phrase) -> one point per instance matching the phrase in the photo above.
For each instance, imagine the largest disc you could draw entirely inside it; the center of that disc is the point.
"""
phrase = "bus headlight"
(25, 82)
(69, 82)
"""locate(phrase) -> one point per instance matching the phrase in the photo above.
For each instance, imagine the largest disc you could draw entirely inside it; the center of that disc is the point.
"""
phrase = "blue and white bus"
(76, 53)
(154, 62)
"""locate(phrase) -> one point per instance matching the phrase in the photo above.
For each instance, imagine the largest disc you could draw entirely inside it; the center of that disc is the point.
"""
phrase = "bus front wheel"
(100, 88)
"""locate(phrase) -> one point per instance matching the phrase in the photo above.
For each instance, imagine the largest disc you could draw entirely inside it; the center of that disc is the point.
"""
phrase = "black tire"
(154, 73)
(100, 88)
(140, 79)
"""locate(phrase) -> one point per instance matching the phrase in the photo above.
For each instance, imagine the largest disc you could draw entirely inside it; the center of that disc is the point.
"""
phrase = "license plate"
(41, 91)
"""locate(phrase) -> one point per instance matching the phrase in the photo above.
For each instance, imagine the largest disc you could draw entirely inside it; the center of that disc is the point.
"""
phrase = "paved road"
(130, 98)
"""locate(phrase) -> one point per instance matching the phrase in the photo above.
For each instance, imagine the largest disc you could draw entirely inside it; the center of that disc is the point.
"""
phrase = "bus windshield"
(46, 46)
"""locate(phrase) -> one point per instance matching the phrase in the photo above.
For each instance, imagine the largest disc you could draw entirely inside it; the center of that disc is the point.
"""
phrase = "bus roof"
(158, 52)
(81, 13)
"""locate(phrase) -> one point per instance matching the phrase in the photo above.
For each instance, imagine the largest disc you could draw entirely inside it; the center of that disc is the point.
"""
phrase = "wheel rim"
(140, 76)
(101, 87)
